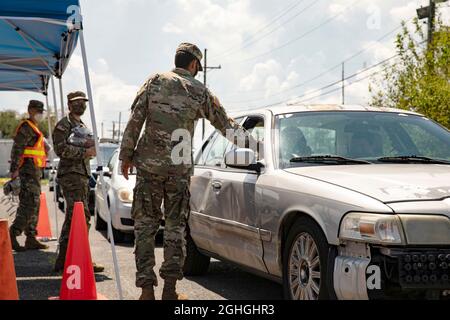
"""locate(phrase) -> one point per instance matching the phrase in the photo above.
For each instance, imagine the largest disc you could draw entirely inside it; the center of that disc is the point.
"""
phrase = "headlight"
(374, 228)
(126, 196)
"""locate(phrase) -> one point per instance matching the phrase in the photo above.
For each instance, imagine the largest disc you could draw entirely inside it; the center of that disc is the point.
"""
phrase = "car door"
(206, 202)
(244, 244)
(226, 221)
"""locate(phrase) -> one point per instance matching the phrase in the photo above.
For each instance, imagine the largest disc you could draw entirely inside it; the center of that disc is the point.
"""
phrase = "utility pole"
(205, 71)
(430, 14)
(431, 17)
(120, 122)
(103, 131)
(114, 131)
(343, 83)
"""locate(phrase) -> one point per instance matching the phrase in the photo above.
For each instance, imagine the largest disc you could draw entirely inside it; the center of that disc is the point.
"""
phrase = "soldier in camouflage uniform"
(166, 102)
(73, 170)
(27, 164)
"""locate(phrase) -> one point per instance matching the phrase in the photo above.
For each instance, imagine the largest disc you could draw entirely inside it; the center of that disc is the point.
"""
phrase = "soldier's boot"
(148, 293)
(98, 267)
(169, 291)
(33, 244)
(14, 243)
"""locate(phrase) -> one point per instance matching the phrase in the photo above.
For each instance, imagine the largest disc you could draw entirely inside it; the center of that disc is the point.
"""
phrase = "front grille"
(425, 269)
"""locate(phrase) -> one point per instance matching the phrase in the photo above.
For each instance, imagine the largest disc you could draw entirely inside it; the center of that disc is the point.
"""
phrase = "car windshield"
(316, 138)
(106, 153)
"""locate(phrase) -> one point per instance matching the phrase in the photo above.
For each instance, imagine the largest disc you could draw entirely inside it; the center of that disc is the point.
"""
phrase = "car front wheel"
(305, 267)
(100, 224)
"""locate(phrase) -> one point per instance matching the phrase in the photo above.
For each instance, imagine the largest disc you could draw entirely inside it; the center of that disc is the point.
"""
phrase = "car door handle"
(216, 185)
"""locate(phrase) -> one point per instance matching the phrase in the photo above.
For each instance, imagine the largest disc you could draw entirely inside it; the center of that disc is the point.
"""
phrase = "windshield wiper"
(412, 159)
(328, 159)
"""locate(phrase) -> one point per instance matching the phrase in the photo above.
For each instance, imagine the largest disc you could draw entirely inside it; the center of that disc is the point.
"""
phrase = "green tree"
(8, 123)
(420, 79)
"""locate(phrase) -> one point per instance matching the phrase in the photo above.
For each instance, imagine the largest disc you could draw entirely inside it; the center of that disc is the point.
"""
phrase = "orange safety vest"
(36, 152)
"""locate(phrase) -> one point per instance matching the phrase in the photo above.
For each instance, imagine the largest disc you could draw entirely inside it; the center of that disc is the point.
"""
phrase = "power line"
(274, 29)
(306, 82)
(327, 21)
(334, 83)
(285, 11)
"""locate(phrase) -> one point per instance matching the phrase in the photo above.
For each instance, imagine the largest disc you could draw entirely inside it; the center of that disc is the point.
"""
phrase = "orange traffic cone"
(78, 281)
(44, 231)
(8, 283)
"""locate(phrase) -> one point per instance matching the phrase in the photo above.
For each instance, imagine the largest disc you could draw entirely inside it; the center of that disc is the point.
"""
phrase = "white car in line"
(119, 200)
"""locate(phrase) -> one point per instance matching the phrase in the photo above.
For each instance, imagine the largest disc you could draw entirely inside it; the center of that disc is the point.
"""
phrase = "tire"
(100, 224)
(311, 277)
(119, 236)
(196, 263)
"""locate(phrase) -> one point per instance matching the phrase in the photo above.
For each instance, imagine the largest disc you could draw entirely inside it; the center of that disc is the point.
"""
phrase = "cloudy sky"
(269, 51)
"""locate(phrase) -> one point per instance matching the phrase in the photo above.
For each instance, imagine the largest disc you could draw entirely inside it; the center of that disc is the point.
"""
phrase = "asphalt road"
(37, 281)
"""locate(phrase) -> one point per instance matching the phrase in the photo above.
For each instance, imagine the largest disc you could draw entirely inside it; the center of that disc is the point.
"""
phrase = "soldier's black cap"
(77, 95)
(37, 105)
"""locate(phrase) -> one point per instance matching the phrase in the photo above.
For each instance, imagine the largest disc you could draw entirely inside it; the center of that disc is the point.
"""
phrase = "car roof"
(294, 108)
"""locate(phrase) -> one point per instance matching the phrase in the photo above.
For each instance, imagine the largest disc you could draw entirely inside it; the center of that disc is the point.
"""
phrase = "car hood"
(386, 182)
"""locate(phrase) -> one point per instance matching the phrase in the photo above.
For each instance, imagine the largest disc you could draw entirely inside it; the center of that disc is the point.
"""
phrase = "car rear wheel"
(196, 263)
(305, 267)
(100, 224)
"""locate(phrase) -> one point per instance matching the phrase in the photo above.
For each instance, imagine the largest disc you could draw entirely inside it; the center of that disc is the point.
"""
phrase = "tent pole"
(54, 99)
(62, 98)
(53, 169)
(100, 162)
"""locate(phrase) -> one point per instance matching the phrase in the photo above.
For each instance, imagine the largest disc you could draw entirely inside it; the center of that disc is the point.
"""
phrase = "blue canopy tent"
(36, 42)
(37, 39)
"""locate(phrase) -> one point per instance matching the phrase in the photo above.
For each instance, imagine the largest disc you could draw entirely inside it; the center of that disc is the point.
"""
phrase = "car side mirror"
(107, 172)
(241, 158)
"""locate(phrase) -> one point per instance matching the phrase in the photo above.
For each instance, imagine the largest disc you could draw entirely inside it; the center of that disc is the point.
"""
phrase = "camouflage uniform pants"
(149, 192)
(28, 212)
(75, 188)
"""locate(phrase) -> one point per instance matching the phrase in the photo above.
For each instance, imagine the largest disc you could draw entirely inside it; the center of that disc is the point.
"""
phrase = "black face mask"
(197, 68)
(78, 108)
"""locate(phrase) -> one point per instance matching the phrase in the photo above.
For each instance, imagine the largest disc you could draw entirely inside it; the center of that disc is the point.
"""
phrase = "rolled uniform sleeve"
(22, 139)
(62, 148)
(139, 110)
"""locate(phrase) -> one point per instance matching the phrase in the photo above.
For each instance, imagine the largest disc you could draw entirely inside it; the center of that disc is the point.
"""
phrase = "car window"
(207, 146)
(255, 126)
(367, 136)
(215, 155)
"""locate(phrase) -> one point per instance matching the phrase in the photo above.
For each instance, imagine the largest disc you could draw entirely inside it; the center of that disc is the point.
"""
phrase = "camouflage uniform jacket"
(72, 158)
(25, 137)
(167, 102)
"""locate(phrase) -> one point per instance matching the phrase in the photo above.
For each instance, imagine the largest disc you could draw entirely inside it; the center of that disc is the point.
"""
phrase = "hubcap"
(304, 268)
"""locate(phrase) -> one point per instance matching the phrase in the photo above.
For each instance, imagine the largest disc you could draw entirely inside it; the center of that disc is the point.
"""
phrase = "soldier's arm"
(23, 138)
(133, 130)
(216, 114)
(62, 148)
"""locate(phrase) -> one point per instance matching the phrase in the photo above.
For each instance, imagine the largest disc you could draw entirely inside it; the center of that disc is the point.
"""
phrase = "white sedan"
(119, 200)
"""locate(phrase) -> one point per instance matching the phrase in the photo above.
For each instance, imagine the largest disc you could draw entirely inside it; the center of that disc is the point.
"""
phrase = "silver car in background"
(119, 200)
(345, 202)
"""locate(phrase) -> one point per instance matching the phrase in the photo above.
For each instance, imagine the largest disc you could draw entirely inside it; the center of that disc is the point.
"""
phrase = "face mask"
(78, 109)
(39, 117)
(196, 69)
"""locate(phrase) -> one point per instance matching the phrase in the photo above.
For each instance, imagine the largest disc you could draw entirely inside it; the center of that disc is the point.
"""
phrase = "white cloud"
(171, 28)
(111, 94)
